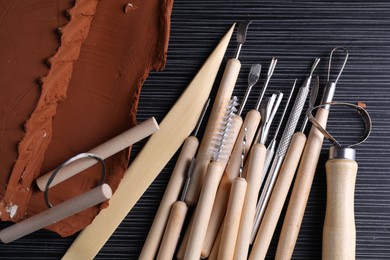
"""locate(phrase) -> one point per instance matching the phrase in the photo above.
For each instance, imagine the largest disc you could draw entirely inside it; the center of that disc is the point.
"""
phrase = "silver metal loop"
(71, 160)
(330, 62)
(362, 112)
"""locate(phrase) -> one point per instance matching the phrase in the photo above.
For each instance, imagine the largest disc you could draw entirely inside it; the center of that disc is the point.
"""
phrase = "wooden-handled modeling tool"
(172, 192)
(233, 211)
(250, 123)
(159, 149)
(104, 151)
(306, 170)
(224, 94)
(175, 222)
(220, 148)
(288, 132)
(282, 186)
(339, 233)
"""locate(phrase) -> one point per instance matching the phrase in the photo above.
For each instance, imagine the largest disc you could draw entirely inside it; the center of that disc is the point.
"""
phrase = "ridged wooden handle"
(301, 190)
(104, 151)
(339, 227)
(251, 122)
(278, 197)
(254, 171)
(203, 211)
(172, 231)
(224, 94)
(171, 195)
(232, 219)
(56, 213)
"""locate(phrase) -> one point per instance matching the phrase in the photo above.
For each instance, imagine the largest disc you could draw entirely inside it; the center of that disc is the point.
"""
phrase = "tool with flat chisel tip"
(339, 233)
(250, 123)
(172, 191)
(283, 145)
(281, 188)
(306, 170)
(153, 157)
(224, 94)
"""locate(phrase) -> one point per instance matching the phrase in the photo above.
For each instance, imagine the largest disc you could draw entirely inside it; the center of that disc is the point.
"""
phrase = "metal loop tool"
(71, 160)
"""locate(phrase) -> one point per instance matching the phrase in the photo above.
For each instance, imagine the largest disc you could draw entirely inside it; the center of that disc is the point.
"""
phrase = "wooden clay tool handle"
(251, 122)
(56, 213)
(172, 231)
(224, 93)
(103, 151)
(203, 211)
(301, 190)
(182, 248)
(232, 219)
(339, 232)
(254, 171)
(278, 197)
(171, 195)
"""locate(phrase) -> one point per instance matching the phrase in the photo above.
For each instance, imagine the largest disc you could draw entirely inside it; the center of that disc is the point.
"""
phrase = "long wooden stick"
(153, 157)
(278, 197)
(171, 195)
(301, 190)
(103, 151)
(56, 213)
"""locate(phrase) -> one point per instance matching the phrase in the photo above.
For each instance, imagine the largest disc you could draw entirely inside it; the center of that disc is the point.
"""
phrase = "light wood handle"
(171, 195)
(254, 171)
(182, 248)
(339, 237)
(104, 151)
(251, 123)
(172, 231)
(56, 213)
(301, 189)
(278, 197)
(203, 211)
(224, 94)
(232, 219)
(214, 251)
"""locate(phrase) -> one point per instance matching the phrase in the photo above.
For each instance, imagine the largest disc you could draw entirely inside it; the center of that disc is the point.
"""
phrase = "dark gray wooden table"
(295, 32)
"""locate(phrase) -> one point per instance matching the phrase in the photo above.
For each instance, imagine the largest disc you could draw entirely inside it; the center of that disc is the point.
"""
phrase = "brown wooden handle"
(104, 151)
(253, 172)
(301, 189)
(339, 227)
(56, 213)
(224, 94)
(172, 231)
(214, 251)
(203, 211)
(278, 197)
(182, 248)
(171, 195)
(251, 122)
(232, 219)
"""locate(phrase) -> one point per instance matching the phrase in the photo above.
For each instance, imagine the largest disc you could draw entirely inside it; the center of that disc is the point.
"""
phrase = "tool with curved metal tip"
(281, 188)
(253, 77)
(250, 123)
(270, 72)
(224, 94)
(305, 175)
(152, 158)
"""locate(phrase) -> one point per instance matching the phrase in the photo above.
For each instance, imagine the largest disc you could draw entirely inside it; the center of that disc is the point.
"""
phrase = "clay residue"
(98, 89)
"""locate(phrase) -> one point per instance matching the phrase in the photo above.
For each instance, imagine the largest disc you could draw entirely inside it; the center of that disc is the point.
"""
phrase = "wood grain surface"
(295, 32)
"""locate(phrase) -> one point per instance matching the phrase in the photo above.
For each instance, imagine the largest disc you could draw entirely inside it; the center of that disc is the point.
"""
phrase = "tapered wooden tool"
(153, 157)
